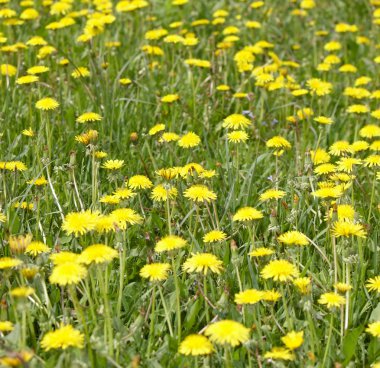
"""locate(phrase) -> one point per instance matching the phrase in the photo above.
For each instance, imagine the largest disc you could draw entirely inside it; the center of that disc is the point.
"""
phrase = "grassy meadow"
(189, 183)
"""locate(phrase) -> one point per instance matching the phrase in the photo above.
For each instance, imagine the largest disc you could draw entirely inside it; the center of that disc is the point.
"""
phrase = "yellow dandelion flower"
(80, 72)
(302, 284)
(79, 223)
(189, 140)
(202, 263)
(247, 214)
(27, 79)
(278, 142)
(195, 345)
(97, 253)
(227, 332)
(373, 284)
(370, 131)
(272, 194)
(170, 98)
(170, 242)
(293, 339)
(279, 270)
(22, 292)
(261, 252)
(88, 117)
(293, 238)
(250, 296)
(199, 193)
(6, 326)
(237, 136)
(236, 122)
(63, 257)
(36, 247)
(342, 287)
(214, 236)
(160, 193)
(155, 271)
(279, 354)
(324, 120)
(348, 228)
(62, 338)
(156, 129)
(46, 104)
(68, 273)
(332, 300)
(374, 329)
(113, 164)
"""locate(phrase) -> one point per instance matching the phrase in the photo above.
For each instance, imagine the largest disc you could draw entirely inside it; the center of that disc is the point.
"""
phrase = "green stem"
(152, 320)
(167, 315)
(328, 341)
(178, 302)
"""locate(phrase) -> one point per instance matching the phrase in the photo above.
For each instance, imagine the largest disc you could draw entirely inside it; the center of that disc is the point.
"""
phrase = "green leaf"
(192, 314)
(350, 342)
(375, 315)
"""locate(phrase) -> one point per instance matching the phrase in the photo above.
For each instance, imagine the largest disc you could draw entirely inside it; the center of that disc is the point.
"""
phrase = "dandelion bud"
(134, 137)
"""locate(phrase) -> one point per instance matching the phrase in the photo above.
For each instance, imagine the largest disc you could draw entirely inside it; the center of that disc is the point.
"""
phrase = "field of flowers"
(189, 183)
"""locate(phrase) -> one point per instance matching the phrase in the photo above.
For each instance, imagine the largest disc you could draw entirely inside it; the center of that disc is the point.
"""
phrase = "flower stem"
(167, 315)
(328, 341)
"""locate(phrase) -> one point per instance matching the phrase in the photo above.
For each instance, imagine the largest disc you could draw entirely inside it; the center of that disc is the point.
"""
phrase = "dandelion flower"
(374, 329)
(293, 340)
(373, 284)
(139, 182)
(36, 247)
(63, 257)
(46, 104)
(214, 236)
(261, 252)
(279, 270)
(62, 338)
(124, 216)
(196, 345)
(236, 121)
(6, 326)
(97, 253)
(27, 79)
(332, 300)
(342, 287)
(170, 98)
(199, 193)
(293, 238)
(348, 228)
(162, 194)
(113, 164)
(22, 292)
(272, 194)
(88, 117)
(227, 332)
(270, 295)
(169, 243)
(155, 271)
(67, 274)
(237, 136)
(302, 284)
(80, 72)
(202, 263)
(7, 262)
(250, 296)
(247, 214)
(79, 223)
(156, 129)
(278, 143)
(189, 140)
(279, 354)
